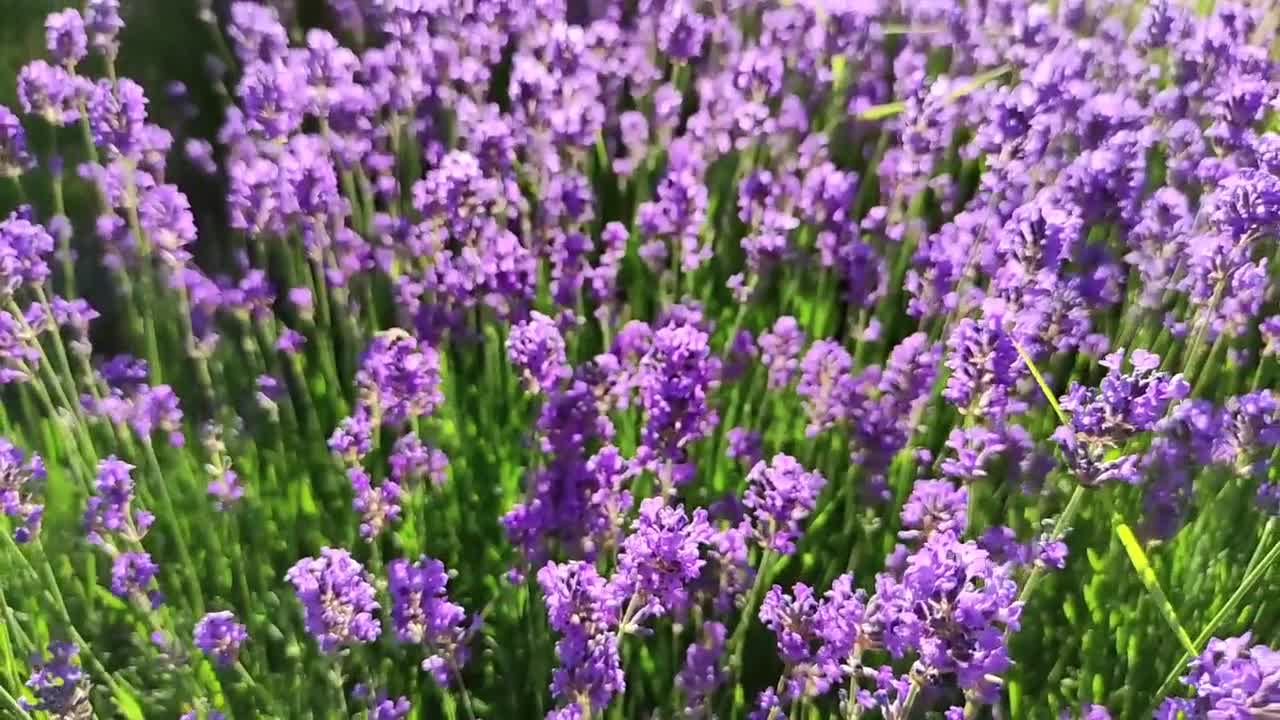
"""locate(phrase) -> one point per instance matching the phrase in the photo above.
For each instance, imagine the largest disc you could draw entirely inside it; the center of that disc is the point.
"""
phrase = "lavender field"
(655, 359)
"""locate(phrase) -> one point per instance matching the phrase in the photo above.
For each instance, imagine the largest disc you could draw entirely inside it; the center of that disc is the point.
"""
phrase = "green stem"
(171, 518)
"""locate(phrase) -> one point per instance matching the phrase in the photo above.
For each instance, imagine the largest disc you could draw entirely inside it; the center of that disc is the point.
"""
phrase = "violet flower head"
(165, 215)
(984, 367)
(814, 635)
(577, 597)
(103, 24)
(256, 31)
(15, 156)
(118, 116)
(290, 341)
(1233, 679)
(226, 490)
(400, 376)
(704, 670)
(934, 506)
(1250, 432)
(780, 350)
(744, 446)
(379, 506)
(583, 609)
(389, 708)
(274, 96)
(133, 575)
(19, 349)
(826, 385)
(157, 408)
(109, 511)
(1247, 203)
(537, 349)
(422, 614)
(1106, 417)
(219, 635)
(411, 460)
(24, 249)
(60, 686)
(951, 606)
(353, 438)
(662, 556)
(682, 31)
(972, 448)
(676, 376)
(65, 37)
(780, 495)
(21, 482)
(338, 600)
(51, 92)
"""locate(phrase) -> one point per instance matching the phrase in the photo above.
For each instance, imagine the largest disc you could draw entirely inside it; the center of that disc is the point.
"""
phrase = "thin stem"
(1074, 503)
(738, 641)
(912, 695)
(462, 690)
(193, 583)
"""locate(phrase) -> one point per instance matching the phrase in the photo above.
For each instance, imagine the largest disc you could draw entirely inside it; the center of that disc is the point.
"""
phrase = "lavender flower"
(675, 378)
(337, 599)
(950, 606)
(744, 446)
(780, 351)
(109, 511)
(117, 116)
(379, 506)
(132, 574)
(1106, 417)
(703, 670)
(15, 158)
(779, 496)
(61, 687)
(1232, 678)
(826, 385)
(65, 37)
(1247, 203)
(422, 614)
(814, 636)
(537, 349)
(103, 23)
(411, 461)
(661, 556)
(1250, 430)
(984, 367)
(21, 481)
(935, 506)
(400, 376)
(51, 92)
(388, 708)
(353, 438)
(582, 608)
(220, 636)
(973, 448)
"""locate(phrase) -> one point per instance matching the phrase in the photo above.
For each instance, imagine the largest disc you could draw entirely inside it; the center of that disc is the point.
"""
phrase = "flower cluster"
(338, 600)
(21, 486)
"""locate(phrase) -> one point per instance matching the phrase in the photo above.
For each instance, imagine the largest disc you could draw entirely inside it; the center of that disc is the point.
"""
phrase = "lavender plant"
(664, 358)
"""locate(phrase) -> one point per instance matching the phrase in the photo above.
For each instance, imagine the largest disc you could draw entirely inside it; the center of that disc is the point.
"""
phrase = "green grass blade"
(1147, 575)
(1044, 386)
(880, 112)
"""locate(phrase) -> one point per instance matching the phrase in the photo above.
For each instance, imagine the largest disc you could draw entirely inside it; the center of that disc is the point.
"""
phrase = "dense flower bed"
(665, 358)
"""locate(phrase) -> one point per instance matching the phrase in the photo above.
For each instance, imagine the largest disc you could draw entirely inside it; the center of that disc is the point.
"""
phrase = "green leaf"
(1147, 575)
(127, 704)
